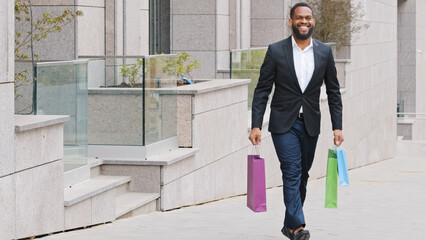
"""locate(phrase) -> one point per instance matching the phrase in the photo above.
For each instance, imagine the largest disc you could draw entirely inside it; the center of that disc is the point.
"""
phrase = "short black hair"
(301, 4)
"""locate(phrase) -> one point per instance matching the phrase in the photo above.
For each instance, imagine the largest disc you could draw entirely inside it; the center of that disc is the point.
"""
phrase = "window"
(159, 26)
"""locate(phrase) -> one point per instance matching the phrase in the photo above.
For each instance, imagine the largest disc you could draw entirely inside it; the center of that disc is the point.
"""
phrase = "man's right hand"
(255, 136)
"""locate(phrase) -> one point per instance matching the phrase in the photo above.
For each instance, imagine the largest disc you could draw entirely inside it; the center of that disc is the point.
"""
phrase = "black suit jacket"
(278, 69)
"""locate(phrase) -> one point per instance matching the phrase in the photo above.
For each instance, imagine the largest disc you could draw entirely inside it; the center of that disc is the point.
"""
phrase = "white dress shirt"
(304, 64)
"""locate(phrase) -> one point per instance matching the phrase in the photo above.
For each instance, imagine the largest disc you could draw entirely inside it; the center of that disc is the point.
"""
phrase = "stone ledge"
(30, 122)
(91, 188)
(201, 86)
(210, 86)
(158, 160)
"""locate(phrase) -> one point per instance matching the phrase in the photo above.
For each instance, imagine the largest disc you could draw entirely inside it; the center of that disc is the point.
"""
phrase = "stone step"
(94, 186)
(163, 159)
(130, 201)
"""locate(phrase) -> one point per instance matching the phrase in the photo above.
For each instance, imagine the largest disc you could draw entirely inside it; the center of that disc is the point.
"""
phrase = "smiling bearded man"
(297, 66)
(308, 26)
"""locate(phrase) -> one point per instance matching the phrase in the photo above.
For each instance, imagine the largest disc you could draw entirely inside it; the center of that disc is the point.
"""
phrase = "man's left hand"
(338, 137)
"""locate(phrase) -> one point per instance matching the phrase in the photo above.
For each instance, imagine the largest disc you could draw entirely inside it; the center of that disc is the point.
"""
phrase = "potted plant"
(182, 67)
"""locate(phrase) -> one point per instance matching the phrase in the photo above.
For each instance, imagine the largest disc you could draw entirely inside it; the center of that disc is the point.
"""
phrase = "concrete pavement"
(385, 201)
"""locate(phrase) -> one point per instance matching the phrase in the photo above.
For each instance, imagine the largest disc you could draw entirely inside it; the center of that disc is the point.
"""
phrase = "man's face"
(302, 23)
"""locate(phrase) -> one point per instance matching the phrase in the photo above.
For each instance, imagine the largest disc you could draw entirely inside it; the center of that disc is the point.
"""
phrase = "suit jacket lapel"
(288, 53)
(316, 61)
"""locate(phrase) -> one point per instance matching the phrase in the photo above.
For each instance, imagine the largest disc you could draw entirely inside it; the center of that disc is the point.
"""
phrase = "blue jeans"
(295, 150)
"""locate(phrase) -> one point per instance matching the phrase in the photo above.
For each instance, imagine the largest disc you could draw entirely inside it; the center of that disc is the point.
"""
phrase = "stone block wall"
(419, 128)
(32, 199)
(56, 46)
(127, 27)
(208, 30)
(222, 34)
(7, 161)
(269, 21)
(193, 29)
(90, 28)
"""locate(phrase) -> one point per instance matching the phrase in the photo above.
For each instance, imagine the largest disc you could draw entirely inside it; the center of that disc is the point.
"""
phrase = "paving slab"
(384, 201)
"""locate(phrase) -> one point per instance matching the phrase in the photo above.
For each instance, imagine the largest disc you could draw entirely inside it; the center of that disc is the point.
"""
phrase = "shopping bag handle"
(255, 150)
(338, 147)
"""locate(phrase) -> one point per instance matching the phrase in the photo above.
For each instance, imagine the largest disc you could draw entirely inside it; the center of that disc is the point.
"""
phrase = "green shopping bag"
(331, 180)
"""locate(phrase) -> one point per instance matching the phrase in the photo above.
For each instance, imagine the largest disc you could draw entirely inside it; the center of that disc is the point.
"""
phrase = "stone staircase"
(119, 188)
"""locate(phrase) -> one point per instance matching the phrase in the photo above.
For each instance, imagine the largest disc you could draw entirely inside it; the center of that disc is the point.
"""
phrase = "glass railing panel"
(126, 112)
(96, 73)
(115, 102)
(62, 90)
(245, 64)
(160, 98)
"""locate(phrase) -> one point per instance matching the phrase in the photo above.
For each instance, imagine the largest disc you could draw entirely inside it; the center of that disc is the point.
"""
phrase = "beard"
(299, 35)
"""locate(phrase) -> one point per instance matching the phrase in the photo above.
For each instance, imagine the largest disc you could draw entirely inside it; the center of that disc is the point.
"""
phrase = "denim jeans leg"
(288, 149)
(308, 146)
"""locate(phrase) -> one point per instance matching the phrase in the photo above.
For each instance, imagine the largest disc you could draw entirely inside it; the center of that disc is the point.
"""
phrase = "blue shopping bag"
(342, 167)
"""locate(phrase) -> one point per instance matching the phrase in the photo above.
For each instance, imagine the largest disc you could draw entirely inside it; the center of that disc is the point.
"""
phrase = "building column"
(7, 161)
(6, 86)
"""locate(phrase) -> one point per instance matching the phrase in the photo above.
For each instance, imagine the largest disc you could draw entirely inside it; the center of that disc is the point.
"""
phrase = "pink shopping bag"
(256, 187)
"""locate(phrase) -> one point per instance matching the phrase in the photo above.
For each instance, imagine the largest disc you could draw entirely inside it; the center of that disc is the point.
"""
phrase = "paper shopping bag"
(342, 166)
(331, 180)
(256, 186)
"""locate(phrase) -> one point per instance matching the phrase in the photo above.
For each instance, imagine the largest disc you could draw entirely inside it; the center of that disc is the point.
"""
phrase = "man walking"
(297, 66)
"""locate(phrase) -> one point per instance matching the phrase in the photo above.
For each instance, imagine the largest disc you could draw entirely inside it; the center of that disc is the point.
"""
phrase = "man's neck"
(302, 43)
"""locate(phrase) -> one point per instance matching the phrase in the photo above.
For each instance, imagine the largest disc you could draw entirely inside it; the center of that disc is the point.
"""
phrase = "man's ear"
(290, 22)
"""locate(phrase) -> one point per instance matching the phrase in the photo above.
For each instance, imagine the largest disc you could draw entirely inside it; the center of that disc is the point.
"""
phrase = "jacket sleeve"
(333, 93)
(263, 89)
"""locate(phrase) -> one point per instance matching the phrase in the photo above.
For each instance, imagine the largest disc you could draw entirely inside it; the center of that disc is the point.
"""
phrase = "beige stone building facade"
(383, 65)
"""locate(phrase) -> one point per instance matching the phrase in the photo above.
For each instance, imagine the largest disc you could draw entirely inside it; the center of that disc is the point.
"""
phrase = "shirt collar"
(296, 46)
